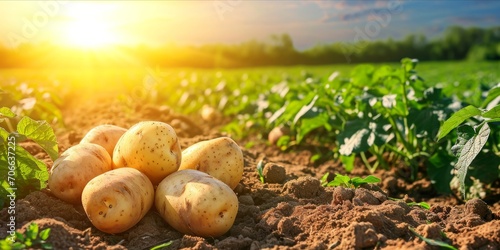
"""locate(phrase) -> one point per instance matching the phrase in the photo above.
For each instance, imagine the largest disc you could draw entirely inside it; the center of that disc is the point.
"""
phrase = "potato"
(276, 133)
(196, 203)
(209, 113)
(74, 168)
(220, 157)
(105, 135)
(150, 147)
(117, 200)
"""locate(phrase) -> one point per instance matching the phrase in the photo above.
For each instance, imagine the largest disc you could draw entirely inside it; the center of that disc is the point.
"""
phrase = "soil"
(291, 210)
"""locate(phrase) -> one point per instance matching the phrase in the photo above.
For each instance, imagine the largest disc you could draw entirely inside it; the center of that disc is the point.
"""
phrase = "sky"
(308, 22)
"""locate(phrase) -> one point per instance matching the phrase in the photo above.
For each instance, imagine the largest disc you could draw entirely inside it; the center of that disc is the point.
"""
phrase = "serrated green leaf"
(456, 119)
(6, 112)
(41, 133)
(492, 113)
(469, 151)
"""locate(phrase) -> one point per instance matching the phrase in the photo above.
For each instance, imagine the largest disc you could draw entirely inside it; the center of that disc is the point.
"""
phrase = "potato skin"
(117, 200)
(105, 135)
(151, 147)
(75, 168)
(196, 203)
(221, 158)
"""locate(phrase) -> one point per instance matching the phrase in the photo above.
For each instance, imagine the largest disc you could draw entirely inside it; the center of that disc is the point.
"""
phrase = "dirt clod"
(479, 207)
(303, 187)
(274, 173)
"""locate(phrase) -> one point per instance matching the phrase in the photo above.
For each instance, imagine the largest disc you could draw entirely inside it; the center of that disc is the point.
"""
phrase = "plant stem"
(365, 161)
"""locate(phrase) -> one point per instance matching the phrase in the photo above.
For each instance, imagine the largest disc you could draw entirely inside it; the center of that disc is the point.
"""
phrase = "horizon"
(100, 24)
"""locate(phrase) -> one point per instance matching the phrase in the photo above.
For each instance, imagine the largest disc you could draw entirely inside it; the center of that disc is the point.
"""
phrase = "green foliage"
(422, 204)
(32, 238)
(432, 242)
(346, 181)
(22, 170)
(472, 139)
(260, 168)
(37, 102)
(162, 246)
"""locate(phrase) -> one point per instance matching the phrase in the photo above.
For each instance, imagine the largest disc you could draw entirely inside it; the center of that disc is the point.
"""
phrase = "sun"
(88, 34)
(88, 27)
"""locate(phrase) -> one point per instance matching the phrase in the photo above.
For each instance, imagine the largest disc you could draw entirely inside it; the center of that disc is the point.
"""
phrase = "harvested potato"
(105, 135)
(276, 133)
(117, 200)
(150, 147)
(209, 113)
(196, 203)
(75, 167)
(220, 157)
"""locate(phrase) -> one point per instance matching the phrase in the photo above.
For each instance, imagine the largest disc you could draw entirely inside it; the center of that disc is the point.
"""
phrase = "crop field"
(366, 156)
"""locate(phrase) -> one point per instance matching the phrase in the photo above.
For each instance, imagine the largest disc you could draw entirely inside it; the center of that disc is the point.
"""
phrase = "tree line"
(456, 43)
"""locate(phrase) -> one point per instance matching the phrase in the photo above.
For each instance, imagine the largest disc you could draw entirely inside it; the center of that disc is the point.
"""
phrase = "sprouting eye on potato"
(151, 147)
(117, 200)
(105, 135)
(196, 203)
(75, 167)
(221, 158)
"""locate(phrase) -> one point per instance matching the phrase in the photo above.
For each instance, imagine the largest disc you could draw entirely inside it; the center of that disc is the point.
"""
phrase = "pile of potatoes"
(118, 174)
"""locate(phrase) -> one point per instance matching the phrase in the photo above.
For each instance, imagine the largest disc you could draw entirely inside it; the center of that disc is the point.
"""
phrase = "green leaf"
(305, 109)
(309, 124)
(492, 113)
(422, 204)
(324, 179)
(260, 167)
(493, 93)
(44, 234)
(456, 119)
(340, 180)
(432, 242)
(6, 112)
(348, 161)
(362, 133)
(469, 151)
(357, 181)
(41, 133)
(158, 247)
(464, 134)
(439, 171)
(32, 231)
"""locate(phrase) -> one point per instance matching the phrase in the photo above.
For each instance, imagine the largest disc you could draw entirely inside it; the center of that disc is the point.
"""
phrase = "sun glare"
(88, 27)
